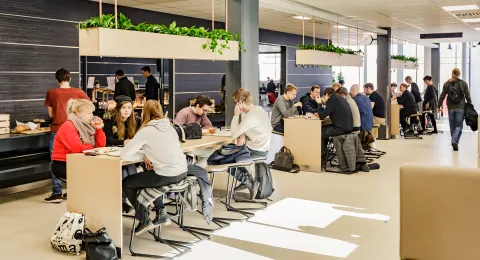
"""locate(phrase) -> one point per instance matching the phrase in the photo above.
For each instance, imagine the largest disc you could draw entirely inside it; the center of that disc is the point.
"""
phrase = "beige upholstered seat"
(440, 213)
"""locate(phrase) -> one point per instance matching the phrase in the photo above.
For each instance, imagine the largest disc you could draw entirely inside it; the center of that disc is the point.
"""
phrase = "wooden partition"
(395, 120)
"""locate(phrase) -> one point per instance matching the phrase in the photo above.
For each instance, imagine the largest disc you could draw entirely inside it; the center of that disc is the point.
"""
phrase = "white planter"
(313, 57)
(399, 64)
(105, 42)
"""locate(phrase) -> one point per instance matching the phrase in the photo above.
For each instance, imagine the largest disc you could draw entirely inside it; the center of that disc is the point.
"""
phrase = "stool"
(330, 156)
(415, 129)
(375, 130)
(180, 246)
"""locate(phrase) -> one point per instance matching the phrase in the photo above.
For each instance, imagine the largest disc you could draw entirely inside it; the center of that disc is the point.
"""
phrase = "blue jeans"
(455, 118)
(57, 184)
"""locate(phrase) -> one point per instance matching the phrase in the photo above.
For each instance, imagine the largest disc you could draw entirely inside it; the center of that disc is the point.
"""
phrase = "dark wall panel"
(310, 80)
(197, 82)
(24, 111)
(199, 66)
(71, 10)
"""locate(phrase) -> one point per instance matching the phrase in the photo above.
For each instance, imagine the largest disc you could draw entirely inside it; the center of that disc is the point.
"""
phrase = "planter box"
(312, 57)
(399, 64)
(105, 42)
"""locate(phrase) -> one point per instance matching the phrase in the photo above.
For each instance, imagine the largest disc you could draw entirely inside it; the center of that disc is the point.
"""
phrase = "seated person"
(311, 101)
(336, 86)
(377, 103)
(364, 107)
(82, 131)
(340, 114)
(343, 92)
(393, 90)
(284, 107)
(120, 126)
(253, 130)
(196, 114)
(409, 106)
(164, 160)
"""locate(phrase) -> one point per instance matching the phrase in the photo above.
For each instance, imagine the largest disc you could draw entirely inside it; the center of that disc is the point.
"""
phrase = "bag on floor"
(284, 161)
(263, 176)
(99, 245)
(64, 236)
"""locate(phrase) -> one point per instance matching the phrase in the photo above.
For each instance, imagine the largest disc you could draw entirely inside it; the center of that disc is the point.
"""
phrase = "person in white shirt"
(164, 160)
(251, 125)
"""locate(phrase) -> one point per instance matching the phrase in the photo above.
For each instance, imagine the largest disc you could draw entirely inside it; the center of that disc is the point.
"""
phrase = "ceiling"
(407, 18)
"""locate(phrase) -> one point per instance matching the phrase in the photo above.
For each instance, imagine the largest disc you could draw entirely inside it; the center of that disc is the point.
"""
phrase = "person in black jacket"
(430, 103)
(152, 86)
(409, 106)
(311, 101)
(338, 109)
(271, 87)
(416, 93)
(124, 87)
(120, 125)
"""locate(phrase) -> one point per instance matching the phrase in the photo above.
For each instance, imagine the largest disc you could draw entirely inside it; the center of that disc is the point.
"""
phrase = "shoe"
(126, 208)
(455, 146)
(240, 187)
(162, 218)
(65, 196)
(254, 190)
(144, 227)
(54, 198)
(365, 168)
(434, 132)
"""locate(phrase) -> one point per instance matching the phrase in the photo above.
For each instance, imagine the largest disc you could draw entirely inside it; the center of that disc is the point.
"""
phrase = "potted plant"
(137, 84)
(97, 84)
(404, 62)
(328, 55)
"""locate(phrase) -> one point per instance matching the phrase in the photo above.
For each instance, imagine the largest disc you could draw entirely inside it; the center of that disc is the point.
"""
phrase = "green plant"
(137, 82)
(340, 77)
(217, 40)
(328, 48)
(405, 59)
(334, 76)
(97, 82)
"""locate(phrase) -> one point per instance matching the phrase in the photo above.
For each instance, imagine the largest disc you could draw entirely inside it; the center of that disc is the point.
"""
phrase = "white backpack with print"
(63, 237)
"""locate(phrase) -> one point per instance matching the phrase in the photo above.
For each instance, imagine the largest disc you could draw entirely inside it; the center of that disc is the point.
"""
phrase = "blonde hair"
(152, 110)
(336, 86)
(79, 105)
(242, 95)
(290, 88)
(455, 74)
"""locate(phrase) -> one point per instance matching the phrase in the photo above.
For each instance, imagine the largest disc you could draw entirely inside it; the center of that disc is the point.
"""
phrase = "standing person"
(271, 87)
(82, 131)
(120, 126)
(458, 92)
(430, 103)
(56, 101)
(284, 107)
(416, 93)
(253, 130)
(124, 87)
(377, 103)
(311, 101)
(152, 86)
(196, 113)
(221, 106)
(409, 106)
(164, 160)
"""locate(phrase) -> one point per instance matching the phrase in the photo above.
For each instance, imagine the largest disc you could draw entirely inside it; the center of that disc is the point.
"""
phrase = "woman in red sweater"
(82, 131)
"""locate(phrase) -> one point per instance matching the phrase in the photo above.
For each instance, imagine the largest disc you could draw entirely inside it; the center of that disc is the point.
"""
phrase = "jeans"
(59, 170)
(57, 184)
(148, 179)
(327, 132)
(242, 175)
(455, 118)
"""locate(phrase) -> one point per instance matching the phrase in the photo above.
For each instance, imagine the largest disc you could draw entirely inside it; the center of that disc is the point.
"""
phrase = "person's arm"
(117, 90)
(286, 112)
(445, 90)
(128, 152)
(237, 129)
(205, 122)
(324, 113)
(100, 138)
(50, 112)
(466, 92)
(108, 130)
(48, 103)
(372, 104)
(71, 140)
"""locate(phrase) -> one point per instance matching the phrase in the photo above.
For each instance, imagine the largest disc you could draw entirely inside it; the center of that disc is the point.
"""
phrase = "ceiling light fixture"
(460, 8)
(301, 17)
(478, 28)
(471, 20)
(369, 33)
(449, 46)
(340, 27)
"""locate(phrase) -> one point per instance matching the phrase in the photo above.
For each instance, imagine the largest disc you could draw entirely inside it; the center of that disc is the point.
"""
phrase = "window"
(269, 66)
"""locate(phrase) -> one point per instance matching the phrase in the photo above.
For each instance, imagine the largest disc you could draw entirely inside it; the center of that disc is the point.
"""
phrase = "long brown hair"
(152, 110)
(132, 123)
(455, 74)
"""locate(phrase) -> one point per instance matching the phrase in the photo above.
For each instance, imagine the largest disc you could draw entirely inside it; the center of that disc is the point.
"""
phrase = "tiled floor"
(313, 216)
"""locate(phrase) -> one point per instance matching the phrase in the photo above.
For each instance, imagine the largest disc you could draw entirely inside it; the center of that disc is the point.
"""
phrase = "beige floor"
(313, 216)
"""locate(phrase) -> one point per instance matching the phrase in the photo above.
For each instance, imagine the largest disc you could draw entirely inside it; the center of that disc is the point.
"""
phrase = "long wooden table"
(95, 186)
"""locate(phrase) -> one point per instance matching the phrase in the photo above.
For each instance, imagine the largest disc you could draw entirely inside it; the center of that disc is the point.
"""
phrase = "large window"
(450, 58)
(269, 66)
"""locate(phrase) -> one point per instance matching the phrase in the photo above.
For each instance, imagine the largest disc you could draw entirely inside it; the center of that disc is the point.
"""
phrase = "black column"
(384, 77)
(283, 66)
(436, 67)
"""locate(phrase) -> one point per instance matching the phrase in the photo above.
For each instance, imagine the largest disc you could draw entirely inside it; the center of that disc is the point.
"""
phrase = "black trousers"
(432, 119)
(330, 131)
(280, 127)
(59, 169)
(404, 114)
(127, 170)
(148, 179)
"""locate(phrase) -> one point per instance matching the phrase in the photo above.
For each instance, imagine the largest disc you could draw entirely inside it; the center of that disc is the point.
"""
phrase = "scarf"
(85, 130)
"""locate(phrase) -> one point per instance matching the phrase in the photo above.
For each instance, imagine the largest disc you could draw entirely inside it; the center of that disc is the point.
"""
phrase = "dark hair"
(407, 78)
(119, 73)
(329, 91)
(203, 100)
(427, 78)
(393, 84)
(63, 75)
(342, 91)
(405, 85)
(314, 87)
(369, 85)
(341, 82)
(147, 69)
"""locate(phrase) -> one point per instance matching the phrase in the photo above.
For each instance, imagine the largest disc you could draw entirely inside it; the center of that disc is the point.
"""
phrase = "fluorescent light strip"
(460, 8)
(471, 20)
(301, 17)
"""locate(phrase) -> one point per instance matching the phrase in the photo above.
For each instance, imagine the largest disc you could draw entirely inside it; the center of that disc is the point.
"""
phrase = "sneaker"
(455, 146)
(54, 198)
(126, 208)
(144, 227)
(65, 196)
(162, 218)
(434, 132)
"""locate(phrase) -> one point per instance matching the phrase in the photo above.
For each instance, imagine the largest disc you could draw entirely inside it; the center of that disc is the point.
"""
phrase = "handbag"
(64, 236)
(188, 131)
(284, 161)
(99, 245)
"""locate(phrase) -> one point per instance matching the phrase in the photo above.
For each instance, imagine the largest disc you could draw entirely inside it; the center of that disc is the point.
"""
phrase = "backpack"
(284, 161)
(64, 237)
(455, 93)
(271, 98)
(263, 176)
(188, 131)
(229, 153)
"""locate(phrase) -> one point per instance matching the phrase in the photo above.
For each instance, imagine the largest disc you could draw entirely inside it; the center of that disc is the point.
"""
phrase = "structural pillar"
(435, 65)
(384, 76)
(242, 19)
(427, 69)
(400, 74)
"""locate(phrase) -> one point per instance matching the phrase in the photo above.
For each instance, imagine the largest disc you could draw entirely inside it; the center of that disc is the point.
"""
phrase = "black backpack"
(455, 94)
(188, 131)
(264, 177)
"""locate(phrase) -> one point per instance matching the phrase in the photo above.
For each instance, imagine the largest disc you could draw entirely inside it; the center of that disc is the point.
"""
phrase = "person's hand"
(238, 110)
(241, 140)
(126, 142)
(318, 100)
(148, 164)
(298, 104)
(97, 122)
(427, 106)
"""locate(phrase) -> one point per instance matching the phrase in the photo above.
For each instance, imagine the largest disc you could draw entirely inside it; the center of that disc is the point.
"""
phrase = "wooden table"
(395, 120)
(95, 186)
(304, 139)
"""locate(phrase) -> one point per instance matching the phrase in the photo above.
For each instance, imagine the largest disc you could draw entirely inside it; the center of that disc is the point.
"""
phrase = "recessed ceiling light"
(460, 8)
(369, 33)
(302, 17)
(471, 20)
(340, 27)
(478, 29)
